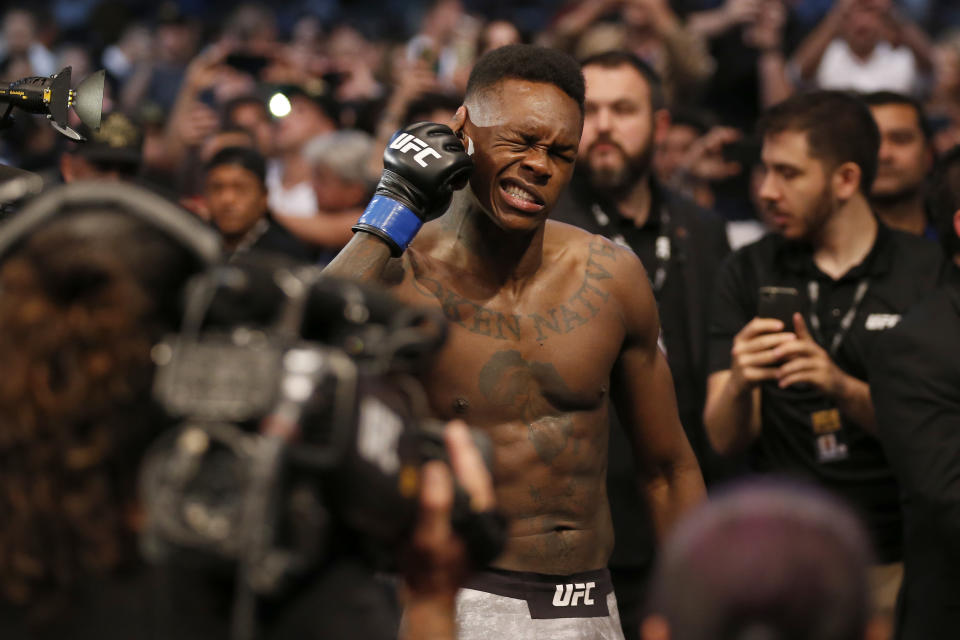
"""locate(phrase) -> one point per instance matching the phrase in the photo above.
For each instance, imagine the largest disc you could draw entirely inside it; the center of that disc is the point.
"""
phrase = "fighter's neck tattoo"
(579, 309)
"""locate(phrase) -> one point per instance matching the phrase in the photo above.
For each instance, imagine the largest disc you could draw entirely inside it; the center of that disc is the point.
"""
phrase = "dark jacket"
(269, 236)
(916, 392)
(699, 246)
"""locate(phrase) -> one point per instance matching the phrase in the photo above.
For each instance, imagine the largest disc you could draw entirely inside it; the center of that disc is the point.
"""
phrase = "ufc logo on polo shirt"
(406, 142)
(881, 321)
(568, 595)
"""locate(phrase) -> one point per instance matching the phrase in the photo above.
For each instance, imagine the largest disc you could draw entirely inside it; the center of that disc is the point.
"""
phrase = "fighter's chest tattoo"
(578, 310)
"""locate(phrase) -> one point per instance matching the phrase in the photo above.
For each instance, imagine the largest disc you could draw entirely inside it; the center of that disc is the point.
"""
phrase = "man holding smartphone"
(794, 390)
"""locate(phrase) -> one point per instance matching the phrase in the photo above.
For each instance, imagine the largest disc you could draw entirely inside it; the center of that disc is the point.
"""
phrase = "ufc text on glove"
(423, 164)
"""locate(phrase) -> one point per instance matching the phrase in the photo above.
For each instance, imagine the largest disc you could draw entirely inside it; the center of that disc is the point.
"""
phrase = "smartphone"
(779, 303)
(248, 63)
(744, 152)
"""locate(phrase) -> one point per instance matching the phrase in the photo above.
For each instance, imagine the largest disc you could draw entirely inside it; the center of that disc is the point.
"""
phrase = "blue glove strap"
(395, 220)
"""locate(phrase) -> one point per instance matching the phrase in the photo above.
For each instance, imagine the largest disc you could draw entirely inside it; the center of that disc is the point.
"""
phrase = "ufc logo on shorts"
(406, 142)
(568, 595)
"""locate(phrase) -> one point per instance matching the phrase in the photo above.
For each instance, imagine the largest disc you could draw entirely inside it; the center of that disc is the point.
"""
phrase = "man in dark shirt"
(615, 194)
(236, 194)
(906, 158)
(915, 384)
(794, 390)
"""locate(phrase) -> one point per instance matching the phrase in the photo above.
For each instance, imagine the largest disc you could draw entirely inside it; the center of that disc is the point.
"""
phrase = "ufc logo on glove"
(407, 142)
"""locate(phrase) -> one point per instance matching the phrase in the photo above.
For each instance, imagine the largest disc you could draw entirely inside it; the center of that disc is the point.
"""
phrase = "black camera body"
(301, 412)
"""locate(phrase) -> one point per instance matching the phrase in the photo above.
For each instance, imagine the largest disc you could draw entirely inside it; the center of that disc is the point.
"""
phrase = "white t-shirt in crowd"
(887, 69)
(299, 200)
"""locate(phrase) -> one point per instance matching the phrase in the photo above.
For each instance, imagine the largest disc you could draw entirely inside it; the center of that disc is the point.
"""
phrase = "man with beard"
(798, 313)
(906, 158)
(548, 325)
(614, 193)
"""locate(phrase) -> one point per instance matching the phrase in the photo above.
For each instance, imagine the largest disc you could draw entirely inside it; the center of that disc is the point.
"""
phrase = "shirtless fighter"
(547, 324)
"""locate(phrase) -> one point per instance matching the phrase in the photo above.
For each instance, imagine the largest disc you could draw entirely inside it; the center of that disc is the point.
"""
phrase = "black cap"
(118, 141)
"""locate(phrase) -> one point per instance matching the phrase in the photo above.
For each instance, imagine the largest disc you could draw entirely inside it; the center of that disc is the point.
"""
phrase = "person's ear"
(661, 125)
(956, 222)
(460, 123)
(66, 167)
(846, 180)
(459, 119)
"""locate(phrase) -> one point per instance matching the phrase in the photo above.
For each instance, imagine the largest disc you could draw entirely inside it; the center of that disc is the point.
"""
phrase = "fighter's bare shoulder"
(614, 267)
(574, 241)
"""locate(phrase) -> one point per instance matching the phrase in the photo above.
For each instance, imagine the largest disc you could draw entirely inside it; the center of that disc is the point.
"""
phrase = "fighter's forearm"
(854, 402)
(363, 258)
(672, 493)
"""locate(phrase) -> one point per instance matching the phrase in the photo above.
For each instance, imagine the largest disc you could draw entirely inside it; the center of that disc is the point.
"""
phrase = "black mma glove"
(423, 165)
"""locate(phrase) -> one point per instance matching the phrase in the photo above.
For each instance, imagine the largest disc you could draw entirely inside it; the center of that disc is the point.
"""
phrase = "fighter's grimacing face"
(525, 137)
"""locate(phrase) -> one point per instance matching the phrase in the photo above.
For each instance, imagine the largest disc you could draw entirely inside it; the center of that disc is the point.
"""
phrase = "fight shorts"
(511, 605)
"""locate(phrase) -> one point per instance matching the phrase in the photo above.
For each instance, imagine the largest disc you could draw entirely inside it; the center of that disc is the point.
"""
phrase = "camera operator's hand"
(423, 164)
(436, 562)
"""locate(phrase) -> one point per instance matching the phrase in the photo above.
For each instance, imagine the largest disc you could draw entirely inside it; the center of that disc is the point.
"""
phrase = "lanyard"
(813, 290)
(661, 247)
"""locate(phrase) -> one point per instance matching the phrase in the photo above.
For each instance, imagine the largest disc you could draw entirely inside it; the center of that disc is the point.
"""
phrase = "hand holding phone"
(755, 357)
(779, 303)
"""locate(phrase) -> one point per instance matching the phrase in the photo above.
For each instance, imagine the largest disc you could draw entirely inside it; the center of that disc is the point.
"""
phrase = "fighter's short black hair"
(615, 58)
(838, 125)
(246, 157)
(882, 98)
(528, 62)
(943, 199)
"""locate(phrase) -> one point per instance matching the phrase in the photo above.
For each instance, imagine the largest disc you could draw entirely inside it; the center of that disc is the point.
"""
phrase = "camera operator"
(91, 278)
(84, 294)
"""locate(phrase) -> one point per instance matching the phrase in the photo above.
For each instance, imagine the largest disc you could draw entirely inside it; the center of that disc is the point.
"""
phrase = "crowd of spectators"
(194, 77)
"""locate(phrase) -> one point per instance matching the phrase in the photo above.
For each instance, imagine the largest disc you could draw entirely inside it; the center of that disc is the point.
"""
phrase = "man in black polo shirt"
(794, 391)
(236, 193)
(614, 193)
(915, 383)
